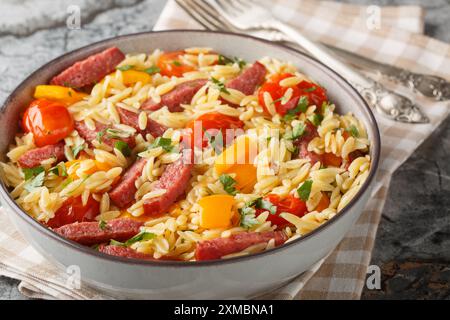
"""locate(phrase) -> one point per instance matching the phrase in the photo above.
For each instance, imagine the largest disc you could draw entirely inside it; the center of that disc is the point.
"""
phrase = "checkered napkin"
(341, 275)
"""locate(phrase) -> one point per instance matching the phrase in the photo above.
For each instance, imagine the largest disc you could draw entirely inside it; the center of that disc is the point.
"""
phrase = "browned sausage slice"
(124, 252)
(249, 79)
(90, 233)
(123, 194)
(181, 94)
(34, 157)
(90, 70)
(132, 119)
(174, 180)
(219, 247)
(91, 135)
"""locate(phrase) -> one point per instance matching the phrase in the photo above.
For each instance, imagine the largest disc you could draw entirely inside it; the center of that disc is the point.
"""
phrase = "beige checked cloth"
(399, 41)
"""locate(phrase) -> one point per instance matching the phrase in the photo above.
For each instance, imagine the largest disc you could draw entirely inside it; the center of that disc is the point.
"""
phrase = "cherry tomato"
(210, 121)
(170, 64)
(330, 159)
(72, 210)
(324, 203)
(48, 121)
(315, 94)
(289, 204)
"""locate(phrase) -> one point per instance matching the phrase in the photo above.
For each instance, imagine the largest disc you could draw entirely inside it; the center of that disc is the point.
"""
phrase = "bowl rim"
(375, 146)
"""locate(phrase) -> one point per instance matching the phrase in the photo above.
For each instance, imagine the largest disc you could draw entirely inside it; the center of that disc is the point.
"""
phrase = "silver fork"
(248, 15)
(430, 86)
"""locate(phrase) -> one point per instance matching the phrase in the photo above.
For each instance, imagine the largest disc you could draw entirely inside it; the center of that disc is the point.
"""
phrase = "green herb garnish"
(152, 70)
(223, 60)
(305, 190)
(310, 89)
(316, 119)
(141, 236)
(113, 242)
(220, 85)
(116, 133)
(32, 172)
(59, 170)
(228, 184)
(125, 67)
(260, 203)
(100, 135)
(35, 182)
(123, 147)
(302, 106)
(102, 224)
(298, 131)
(77, 150)
(165, 143)
(353, 131)
(177, 63)
(247, 217)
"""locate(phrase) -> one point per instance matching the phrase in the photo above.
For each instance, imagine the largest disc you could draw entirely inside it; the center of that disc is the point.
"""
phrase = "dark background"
(413, 241)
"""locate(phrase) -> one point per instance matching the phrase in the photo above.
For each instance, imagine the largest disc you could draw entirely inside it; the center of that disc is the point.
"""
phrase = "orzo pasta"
(186, 155)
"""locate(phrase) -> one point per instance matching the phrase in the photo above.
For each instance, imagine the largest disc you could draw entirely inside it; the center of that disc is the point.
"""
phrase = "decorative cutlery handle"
(390, 104)
(386, 102)
(428, 85)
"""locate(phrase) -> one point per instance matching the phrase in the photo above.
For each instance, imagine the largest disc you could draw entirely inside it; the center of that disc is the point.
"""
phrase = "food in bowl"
(186, 155)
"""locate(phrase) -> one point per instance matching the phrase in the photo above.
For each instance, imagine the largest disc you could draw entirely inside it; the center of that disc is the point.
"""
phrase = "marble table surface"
(414, 235)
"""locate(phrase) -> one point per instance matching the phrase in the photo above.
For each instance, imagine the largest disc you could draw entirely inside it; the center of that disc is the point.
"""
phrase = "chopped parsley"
(220, 85)
(100, 135)
(152, 70)
(116, 133)
(260, 203)
(176, 63)
(302, 106)
(102, 224)
(353, 131)
(165, 143)
(228, 184)
(310, 89)
(223, 60)
(32, 172)
(123, 147)
(305, 190)
(141, 236)
(316, 119)
(59, 170)
(76, 150)
(125, 67)
(247, 217)
(35, 182)
(298, 131)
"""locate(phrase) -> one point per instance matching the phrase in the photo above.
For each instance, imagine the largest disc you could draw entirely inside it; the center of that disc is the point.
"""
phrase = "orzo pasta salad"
(187, 155)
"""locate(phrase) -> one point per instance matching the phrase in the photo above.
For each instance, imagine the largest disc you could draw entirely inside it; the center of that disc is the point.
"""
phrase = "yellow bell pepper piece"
(130, 77)
(238, 159)
(216, 211)
(61, 94)
(98, 166)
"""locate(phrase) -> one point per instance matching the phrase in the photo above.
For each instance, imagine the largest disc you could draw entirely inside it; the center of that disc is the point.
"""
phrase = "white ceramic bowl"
(240, 277)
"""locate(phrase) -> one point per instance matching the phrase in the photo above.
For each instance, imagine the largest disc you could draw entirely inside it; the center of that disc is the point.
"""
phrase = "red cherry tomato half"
(210, 121)
(72, 210)
(315, 94)
(170, 64)
(48, 121)
(289, 204)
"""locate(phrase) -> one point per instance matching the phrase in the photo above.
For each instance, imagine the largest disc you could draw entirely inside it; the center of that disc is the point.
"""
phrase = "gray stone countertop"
(414, 235)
